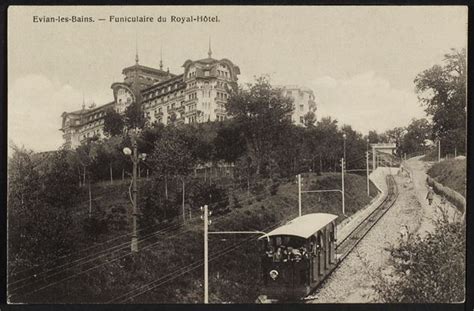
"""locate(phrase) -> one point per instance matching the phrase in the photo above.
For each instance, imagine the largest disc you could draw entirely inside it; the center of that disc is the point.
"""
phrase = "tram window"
(321, 239)
(278, 241)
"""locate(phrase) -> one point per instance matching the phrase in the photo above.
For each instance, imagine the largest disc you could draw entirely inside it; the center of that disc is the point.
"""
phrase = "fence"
(454, 197)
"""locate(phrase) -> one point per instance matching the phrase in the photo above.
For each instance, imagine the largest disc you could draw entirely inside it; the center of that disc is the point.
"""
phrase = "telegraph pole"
(184, 211)
(90, 197)
(299, 194)
(342, 186)
(439, 150)
(206, 268)
(134, 245)
(367, 169)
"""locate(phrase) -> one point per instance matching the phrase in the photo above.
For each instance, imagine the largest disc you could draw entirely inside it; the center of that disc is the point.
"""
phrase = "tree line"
(258, 142)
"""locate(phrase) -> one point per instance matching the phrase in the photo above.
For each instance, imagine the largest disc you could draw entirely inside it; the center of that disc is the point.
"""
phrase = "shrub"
(258, 189)
(429, 269)
(94, 226)
(214, 196)
(236, 202)
(274, 187)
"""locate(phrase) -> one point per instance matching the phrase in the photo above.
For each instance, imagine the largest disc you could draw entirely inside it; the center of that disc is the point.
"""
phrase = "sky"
(359, 61)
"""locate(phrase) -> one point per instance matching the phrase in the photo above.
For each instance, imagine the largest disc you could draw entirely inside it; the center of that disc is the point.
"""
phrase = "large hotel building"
(197, 95)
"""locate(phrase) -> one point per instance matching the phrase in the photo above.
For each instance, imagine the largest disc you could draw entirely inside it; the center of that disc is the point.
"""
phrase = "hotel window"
(301, 107)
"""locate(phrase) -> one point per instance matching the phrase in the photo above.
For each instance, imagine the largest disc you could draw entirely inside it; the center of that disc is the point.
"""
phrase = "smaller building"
(303, 101)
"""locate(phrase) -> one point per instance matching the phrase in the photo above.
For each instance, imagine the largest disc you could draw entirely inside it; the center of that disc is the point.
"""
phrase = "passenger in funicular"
(288, 249)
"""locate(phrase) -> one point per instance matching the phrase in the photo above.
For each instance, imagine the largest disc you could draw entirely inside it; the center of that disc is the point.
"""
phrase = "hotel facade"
(197, 95)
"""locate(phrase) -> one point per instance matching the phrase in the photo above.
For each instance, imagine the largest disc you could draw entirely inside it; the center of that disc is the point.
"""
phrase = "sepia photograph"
(236, 154)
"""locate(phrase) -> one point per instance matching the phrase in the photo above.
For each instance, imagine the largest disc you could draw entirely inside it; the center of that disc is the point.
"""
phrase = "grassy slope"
(451, 173)
(233, 277)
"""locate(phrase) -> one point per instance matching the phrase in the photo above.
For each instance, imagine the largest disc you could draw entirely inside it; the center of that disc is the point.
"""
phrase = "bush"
(215, 197)
(429, 269)
(236, 202)
(274, 187)
(94, 226)
(258, 189)
(117, 218)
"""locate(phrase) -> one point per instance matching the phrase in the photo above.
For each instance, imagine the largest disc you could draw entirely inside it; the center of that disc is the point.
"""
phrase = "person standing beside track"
(430, 195)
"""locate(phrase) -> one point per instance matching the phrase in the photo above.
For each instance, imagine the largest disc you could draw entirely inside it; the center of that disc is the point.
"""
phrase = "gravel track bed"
(352, 281)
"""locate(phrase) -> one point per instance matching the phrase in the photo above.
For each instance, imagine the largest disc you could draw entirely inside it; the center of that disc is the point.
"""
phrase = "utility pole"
(374, 157)
(367, 168)
(439, 150)
(206, 268)
(134, 245)
(299, 194)
(344, 136)
(184, 211)
(455, 152)
(90, 198)
(342, 184)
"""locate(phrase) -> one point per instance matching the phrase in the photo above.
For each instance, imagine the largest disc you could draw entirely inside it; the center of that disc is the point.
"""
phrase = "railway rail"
(360, 231)
(346, 245)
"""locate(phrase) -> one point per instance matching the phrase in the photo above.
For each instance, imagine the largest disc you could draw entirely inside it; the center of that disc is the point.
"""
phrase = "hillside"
(451, 173)
(173, 264)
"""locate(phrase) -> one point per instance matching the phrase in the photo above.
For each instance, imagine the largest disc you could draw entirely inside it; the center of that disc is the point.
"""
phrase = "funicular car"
(297, 256)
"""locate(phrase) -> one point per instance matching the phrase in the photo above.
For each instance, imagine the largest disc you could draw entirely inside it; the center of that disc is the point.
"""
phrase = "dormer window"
(206, 73)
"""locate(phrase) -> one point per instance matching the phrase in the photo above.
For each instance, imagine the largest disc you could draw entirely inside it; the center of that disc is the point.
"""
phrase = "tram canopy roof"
(303, 226)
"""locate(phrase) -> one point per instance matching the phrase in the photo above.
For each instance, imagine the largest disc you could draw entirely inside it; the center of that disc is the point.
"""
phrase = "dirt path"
(352, 281)
(418, 170)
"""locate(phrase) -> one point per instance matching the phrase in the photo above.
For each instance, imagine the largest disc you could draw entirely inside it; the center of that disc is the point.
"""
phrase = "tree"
(134, 116)
(417, 132)
(328, 143)
(171, 155)
(229, 141)
(264, 114)
(442, 90)
(309, 119)
(112, 152)
(373, 137)
(113, 123)
(355, 148)
(395, 136)
(42, 189)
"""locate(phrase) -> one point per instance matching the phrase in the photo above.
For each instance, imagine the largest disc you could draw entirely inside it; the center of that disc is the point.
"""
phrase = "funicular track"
(346, 245)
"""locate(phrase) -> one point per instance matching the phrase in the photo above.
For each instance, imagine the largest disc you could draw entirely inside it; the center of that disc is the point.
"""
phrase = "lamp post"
(344, 136)
(135, 159)
(343, 167)
(343, 164)
(367, 167)
(299, 194)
